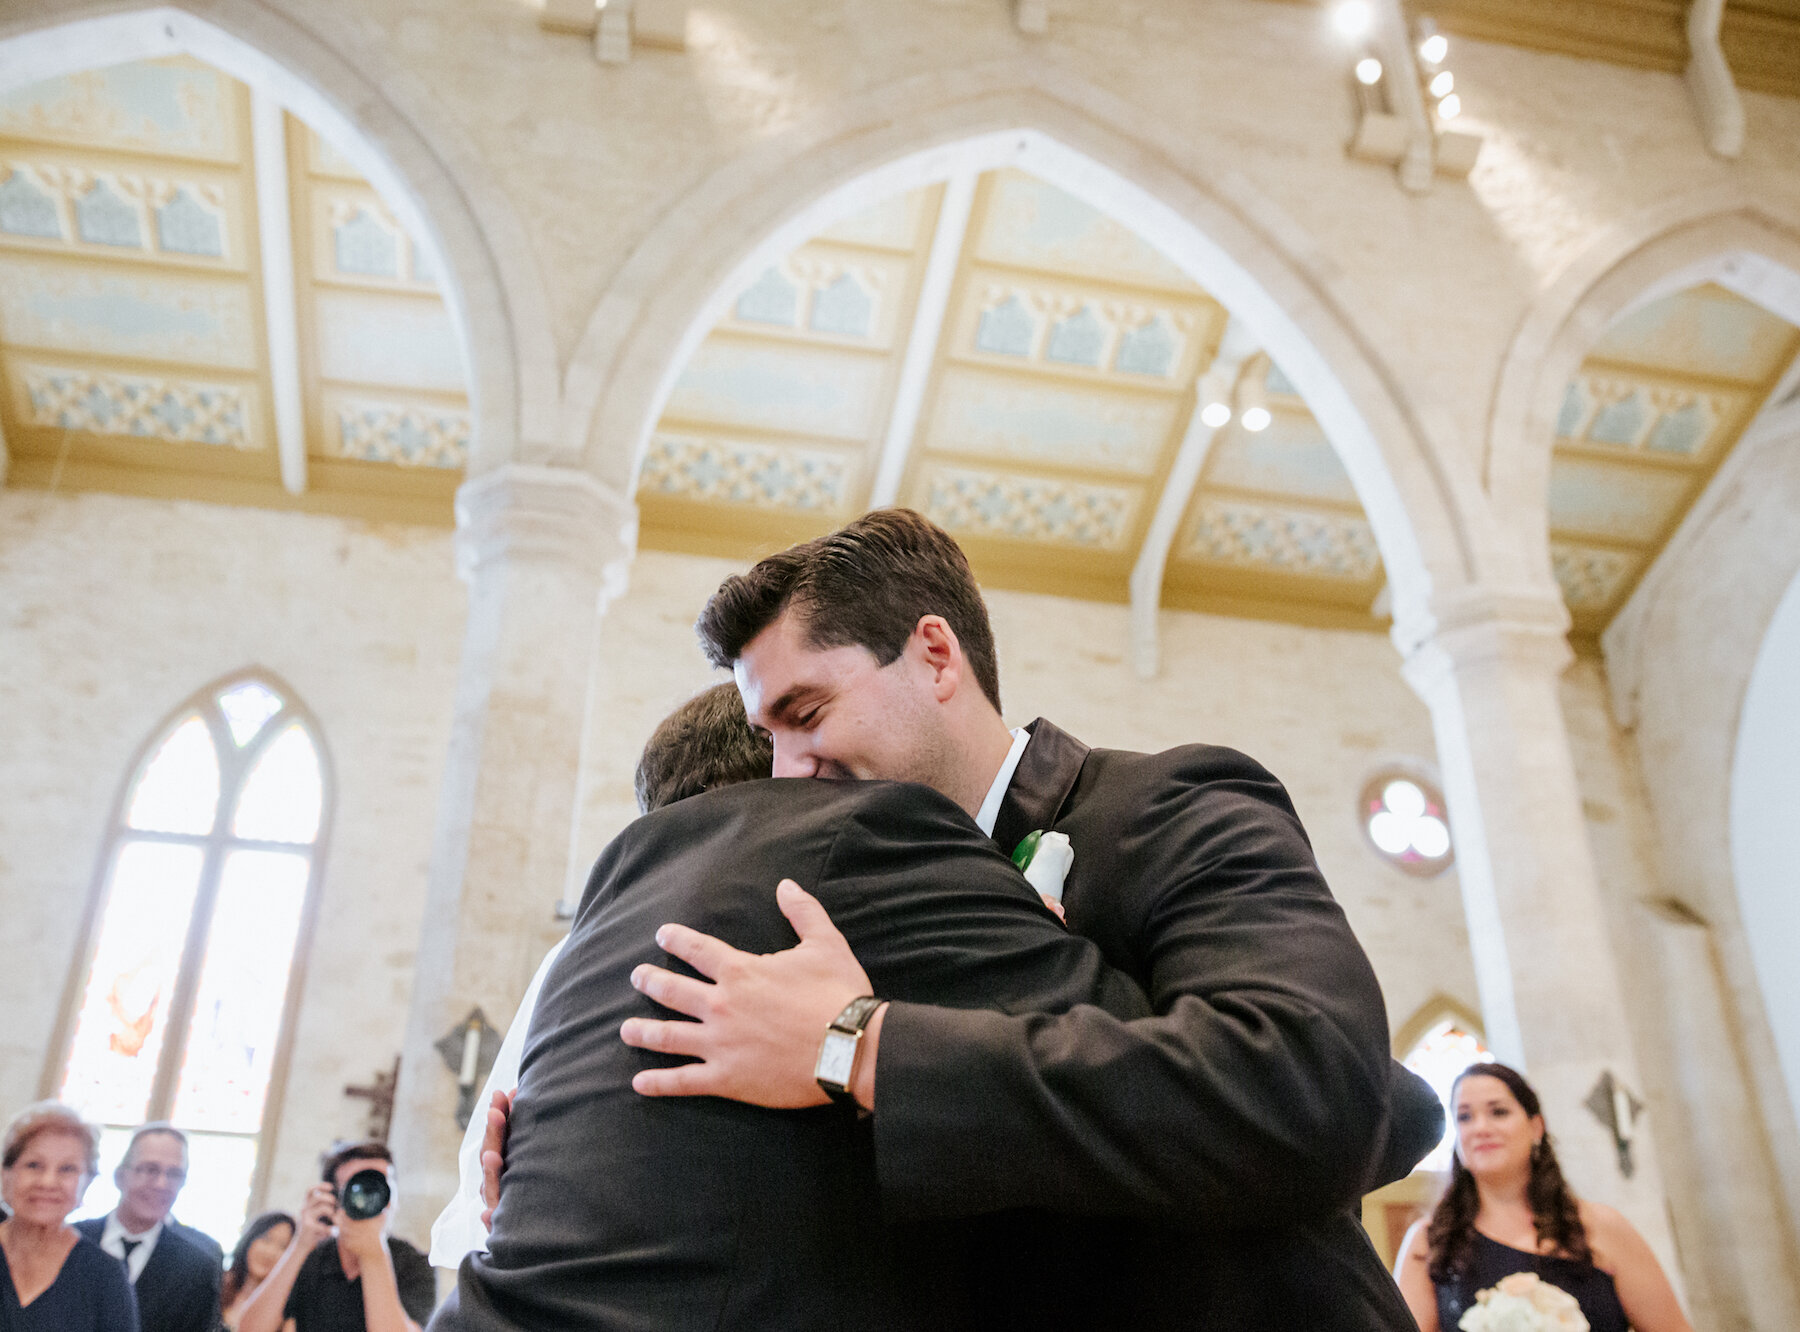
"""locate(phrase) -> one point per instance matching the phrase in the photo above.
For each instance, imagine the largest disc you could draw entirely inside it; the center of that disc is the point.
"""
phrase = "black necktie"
(128, 1246)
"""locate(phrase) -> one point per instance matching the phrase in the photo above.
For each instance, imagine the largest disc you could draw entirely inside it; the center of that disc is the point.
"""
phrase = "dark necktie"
(128, 1246)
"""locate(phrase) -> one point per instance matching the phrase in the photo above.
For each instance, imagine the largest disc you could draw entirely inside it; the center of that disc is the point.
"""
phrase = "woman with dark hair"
(259, 1248)
(1509, 1210)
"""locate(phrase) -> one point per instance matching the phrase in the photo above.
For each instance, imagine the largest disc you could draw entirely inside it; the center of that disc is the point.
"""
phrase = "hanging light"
(1352, 18)
(1442, 83)
(1434, 48)
(1450, 108)
(1368, 71)
(1256, 419)
(1215, 414)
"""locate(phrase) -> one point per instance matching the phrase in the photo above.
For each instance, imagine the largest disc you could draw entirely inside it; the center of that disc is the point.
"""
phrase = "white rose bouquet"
(1523, 1303)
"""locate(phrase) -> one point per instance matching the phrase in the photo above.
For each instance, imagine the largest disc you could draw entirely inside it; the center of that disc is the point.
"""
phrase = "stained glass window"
(203, 903)
(1404, 818)
(1440, 1055)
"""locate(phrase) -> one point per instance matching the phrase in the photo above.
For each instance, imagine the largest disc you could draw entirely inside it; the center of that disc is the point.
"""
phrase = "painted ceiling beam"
(1236, 346)
(923, 338)
(1715, 93)
(274, 212)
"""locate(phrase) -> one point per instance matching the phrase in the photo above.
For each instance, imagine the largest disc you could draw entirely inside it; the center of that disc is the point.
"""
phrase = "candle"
(471, 1051)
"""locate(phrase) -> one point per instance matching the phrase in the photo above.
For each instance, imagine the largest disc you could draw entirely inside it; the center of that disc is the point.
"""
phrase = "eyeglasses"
(150, 1172)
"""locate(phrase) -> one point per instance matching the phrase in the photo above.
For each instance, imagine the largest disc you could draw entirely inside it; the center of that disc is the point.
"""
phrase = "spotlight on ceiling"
(1215, 414)
(1368, 71)
(1450, 108)
(1257, 419)
(1442, 83)
(1352, 18)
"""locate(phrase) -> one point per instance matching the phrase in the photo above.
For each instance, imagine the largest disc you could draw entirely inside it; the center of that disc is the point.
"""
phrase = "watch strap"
(850, 1022)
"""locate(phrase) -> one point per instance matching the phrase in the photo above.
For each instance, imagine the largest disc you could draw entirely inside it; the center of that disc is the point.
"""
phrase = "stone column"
(542, 549)
(1538, 927)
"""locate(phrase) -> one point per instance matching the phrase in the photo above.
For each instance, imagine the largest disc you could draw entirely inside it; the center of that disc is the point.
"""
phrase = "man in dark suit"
(625, 1212)
(174, 1269)
(1227, 1137)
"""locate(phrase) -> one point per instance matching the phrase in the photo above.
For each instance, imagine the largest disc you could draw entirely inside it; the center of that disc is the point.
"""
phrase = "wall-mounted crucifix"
(380, 1096)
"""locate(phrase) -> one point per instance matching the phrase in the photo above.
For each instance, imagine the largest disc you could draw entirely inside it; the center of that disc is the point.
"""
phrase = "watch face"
(837, 1057)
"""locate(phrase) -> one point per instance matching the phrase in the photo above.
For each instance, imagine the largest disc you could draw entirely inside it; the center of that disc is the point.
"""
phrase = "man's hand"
(316, 1215)
(363, 1238)
(760, 1020)
(493, 1154)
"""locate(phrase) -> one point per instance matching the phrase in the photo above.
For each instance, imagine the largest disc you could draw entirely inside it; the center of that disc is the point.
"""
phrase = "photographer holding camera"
(341, 1271)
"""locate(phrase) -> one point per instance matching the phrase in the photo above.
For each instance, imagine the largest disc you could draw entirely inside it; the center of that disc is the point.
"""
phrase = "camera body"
(365, 1194)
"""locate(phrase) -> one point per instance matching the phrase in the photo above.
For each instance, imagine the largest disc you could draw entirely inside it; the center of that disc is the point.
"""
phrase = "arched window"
(1445, 1039)
(205, 887)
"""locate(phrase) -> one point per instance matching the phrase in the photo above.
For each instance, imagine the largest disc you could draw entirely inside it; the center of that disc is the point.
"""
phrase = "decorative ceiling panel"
(1033, 224)
(746, 472)
(1597, 499)
(1288, 540)
(1704, 331)
(105, 311)
(826, 294)
(1656, 407)
(1051, 510)
(1007, 417)
(1292, 457)
(892, 224)
(1082, 331)
(799, 390)
(364, 339)
(140, 406)
(133, 320)
(169, 108)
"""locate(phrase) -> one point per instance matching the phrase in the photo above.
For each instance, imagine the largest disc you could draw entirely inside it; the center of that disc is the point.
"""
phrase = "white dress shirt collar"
(113, 1241)
(989, 813)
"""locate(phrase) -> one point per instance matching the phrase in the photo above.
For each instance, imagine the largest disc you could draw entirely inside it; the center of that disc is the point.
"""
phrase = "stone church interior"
(1403, 392)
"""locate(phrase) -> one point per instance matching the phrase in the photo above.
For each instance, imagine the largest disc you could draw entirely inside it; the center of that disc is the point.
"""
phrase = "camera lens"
(366, 1194)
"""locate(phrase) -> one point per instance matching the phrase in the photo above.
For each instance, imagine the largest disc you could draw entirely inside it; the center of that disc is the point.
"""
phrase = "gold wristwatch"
(841, 1049)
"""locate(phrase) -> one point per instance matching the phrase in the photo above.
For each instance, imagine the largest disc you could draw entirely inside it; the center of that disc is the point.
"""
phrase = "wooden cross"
(380, 1096)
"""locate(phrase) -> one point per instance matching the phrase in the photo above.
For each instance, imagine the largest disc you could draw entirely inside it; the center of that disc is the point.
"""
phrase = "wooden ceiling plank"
(274, 211)
(1235, 348)
(929, 317)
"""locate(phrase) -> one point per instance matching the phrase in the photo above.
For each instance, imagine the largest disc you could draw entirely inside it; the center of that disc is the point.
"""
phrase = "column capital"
(558, 514)
(1523, 627)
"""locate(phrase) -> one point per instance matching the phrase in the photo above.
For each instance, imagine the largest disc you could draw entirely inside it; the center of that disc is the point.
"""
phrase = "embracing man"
(1199, 1166)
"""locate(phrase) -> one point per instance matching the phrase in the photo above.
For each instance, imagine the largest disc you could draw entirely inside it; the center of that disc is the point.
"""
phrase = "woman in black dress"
(51, 1279)
(1509, 1210)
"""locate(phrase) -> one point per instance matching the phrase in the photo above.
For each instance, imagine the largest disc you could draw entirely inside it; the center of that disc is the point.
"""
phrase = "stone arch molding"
(435, 184)
(1429, 524)
(1716, 236)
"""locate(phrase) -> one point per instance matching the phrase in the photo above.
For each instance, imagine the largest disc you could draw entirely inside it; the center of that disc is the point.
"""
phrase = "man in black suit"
(1226, 1138)
(174, 1269)
(624, 1212)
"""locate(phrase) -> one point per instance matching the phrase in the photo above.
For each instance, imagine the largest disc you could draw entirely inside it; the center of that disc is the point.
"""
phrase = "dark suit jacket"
(178, 1290)
(1231, 1134)
(624, 1212)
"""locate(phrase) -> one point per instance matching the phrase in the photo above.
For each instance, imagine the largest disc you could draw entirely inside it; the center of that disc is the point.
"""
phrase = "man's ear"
(942, 653)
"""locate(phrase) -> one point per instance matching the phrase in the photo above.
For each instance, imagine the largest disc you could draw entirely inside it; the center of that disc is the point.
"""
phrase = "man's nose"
(793, 759)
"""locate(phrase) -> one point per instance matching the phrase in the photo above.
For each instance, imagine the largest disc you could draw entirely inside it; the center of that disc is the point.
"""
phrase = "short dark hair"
(155, 1126)
(352, 1151)
(868, 585)
(706, 742)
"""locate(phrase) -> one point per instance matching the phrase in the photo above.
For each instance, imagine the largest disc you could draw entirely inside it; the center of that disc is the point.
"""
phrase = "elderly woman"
(51, 1279)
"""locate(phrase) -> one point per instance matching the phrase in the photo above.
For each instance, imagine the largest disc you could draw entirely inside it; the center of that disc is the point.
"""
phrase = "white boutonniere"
(1044, 858)
(1524, 1303)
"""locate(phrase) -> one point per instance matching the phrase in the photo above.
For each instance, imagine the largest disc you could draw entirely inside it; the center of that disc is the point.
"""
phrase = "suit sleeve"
(1255, 1094)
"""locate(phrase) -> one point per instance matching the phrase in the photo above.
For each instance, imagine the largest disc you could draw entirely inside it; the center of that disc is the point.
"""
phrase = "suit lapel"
(1046, 774)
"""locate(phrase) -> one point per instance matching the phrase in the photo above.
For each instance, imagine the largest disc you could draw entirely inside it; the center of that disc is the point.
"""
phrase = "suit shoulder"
(1186, 773)
(93, 1228)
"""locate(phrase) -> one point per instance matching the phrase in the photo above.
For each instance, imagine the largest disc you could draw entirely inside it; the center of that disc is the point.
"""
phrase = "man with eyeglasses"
(174, 1269)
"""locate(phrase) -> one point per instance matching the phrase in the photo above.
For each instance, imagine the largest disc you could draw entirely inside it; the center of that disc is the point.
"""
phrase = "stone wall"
(113, 612)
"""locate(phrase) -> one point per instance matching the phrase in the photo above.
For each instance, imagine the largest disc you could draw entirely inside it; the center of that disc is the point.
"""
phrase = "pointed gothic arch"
(436, 184)
(1430, 526)
(182, 1001)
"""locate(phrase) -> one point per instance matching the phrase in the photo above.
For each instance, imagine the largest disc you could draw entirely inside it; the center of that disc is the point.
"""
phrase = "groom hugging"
(1036, 1145)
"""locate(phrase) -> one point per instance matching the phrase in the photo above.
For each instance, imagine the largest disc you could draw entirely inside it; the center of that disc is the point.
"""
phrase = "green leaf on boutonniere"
(1027, 848)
